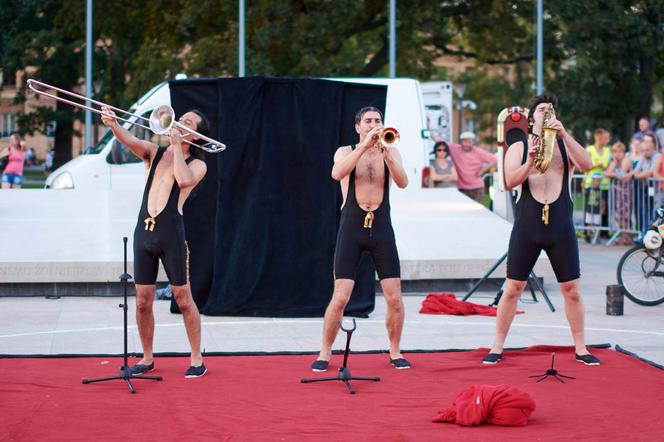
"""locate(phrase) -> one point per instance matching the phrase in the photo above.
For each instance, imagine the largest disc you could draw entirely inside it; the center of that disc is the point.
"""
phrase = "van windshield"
(102, 143)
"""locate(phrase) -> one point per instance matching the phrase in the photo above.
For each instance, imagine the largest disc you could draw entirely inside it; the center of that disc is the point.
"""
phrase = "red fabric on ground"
(247, 398)
(495, 404)
(447, 304)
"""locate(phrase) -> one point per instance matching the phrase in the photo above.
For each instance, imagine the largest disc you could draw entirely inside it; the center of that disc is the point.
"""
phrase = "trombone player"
(171, 174)
(540, 171)
(365, 171)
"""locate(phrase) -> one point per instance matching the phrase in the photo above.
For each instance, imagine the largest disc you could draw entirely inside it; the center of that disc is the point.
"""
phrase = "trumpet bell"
(162, 119)
(390, 137)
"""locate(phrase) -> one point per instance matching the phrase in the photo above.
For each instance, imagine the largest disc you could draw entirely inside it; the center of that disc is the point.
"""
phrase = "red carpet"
(261, 398)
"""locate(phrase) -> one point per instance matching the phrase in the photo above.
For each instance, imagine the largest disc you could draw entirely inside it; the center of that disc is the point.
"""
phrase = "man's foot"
(141, 368)
(320, 365)
(400, 363)
(195, 372)
(492, 358)
(587, 359)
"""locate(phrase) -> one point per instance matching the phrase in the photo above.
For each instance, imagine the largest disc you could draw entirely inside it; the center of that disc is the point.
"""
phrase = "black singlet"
(530, 235)
(161, 237)
(353, 238)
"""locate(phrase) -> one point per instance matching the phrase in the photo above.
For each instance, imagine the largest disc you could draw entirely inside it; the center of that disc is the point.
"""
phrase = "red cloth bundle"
(447, 304)
(496, 404)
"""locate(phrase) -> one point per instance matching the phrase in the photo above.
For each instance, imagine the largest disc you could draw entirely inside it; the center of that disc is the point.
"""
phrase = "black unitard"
(353, 238)
(530, 235)
(161, 237)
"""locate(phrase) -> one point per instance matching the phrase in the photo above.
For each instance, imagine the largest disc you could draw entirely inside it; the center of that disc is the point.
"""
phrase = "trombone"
(161, 120)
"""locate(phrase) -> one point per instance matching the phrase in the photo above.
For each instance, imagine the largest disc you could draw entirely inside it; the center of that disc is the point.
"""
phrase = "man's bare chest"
(370, 170)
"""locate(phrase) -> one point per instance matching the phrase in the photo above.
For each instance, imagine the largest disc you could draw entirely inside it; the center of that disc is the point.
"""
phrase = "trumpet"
(161, 120)
(389, 137)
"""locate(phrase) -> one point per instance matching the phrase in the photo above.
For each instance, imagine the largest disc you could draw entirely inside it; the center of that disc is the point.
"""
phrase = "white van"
(112, 166)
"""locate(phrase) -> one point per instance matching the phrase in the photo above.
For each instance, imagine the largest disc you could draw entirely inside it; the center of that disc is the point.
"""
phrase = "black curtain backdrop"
(262, 226)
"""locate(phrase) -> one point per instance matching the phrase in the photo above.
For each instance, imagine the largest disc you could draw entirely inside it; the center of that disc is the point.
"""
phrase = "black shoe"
(195, 372)
(141, 368)
(587, 359)
(400, 363)
(319, 365)
(492, 358)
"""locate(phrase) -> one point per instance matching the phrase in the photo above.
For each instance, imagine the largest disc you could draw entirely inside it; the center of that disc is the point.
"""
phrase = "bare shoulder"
(342, 152)
(515, 149)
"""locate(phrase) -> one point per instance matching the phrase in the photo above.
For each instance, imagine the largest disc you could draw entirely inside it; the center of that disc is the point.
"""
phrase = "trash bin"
(615, 298)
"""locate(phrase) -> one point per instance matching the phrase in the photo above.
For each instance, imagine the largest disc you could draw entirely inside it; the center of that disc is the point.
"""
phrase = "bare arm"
(141, 148)
(579, 156)
(435, 176)
(186, 175)
(4, 152)
(515, 172)
(395, 165)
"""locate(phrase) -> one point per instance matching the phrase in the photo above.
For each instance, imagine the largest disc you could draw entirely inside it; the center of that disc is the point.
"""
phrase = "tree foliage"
(603, 58)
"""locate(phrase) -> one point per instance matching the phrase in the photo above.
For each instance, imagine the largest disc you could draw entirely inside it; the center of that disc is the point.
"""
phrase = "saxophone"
(545, 142)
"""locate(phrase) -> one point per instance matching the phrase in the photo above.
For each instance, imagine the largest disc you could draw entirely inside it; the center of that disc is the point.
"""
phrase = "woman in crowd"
(441, 170)
(12, 177)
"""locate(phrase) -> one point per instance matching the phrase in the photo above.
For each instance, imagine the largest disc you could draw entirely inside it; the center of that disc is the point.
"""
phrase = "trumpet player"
(171, 175)
(366, 171)
(540, 171)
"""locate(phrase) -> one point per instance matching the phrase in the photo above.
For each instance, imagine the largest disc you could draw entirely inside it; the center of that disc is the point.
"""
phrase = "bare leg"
(334, 312)
(506, 312)
(145, 320)
(395, 314)
(575, 314)
(192, 320)
(6, 186)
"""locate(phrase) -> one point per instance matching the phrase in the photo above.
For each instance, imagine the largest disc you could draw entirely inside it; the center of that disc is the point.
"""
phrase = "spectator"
(659, 133)
(658, 173)
(641, 173)
(48, 162)
(634, 151)
(441, 169)
(471, 164)
(12, 177)
(30, 158)
(618, 170)
(597, 190)
(644, 128)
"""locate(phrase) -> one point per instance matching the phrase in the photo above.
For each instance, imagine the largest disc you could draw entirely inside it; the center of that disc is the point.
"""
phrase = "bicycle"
(641, 268)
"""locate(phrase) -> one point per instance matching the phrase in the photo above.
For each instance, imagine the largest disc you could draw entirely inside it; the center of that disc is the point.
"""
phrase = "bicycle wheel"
(640, 288)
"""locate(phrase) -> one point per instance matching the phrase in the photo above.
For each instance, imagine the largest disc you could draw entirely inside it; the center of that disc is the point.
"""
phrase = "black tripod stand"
(344, 373)
(533, 281)
(125, 375)
(551, 372)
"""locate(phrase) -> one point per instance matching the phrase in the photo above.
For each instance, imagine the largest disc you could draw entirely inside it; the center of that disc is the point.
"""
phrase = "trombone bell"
(161, 119)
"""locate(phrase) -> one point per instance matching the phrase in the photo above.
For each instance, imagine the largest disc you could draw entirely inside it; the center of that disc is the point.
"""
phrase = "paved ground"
(94, 325)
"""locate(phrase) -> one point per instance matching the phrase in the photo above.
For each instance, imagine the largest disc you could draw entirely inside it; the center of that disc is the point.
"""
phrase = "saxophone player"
(543, 220)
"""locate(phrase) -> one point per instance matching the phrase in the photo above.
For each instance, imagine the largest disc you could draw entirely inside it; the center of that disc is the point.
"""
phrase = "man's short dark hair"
(536, 101)
(364, 110)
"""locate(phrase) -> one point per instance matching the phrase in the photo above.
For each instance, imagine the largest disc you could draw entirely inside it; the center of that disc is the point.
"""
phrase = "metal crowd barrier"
(614, 206)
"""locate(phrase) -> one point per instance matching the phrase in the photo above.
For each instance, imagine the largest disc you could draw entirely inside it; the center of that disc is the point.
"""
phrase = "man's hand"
(371, 138)
(175, 137)
(554, 123)
(532, 154)
(108, 117)
(388, 155)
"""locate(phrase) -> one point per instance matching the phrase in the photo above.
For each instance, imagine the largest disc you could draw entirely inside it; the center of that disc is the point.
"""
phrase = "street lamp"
(460, 89)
